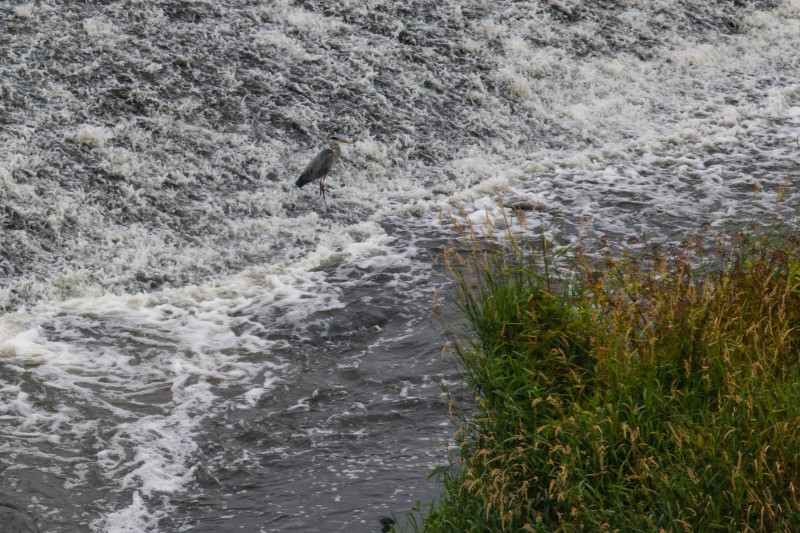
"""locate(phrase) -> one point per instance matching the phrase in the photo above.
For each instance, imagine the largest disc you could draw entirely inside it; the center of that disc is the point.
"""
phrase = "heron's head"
(340, 139)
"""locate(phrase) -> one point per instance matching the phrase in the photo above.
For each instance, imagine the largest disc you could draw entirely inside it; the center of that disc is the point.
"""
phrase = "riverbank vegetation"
(653, 388)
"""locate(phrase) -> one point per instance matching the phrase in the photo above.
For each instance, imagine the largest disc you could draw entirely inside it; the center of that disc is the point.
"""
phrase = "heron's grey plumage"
(321, 165)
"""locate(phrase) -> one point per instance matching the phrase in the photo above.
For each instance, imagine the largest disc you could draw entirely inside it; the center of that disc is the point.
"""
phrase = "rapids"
(190, 343)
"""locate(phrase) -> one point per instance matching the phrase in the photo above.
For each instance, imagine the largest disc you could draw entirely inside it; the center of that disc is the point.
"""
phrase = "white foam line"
(189, 351)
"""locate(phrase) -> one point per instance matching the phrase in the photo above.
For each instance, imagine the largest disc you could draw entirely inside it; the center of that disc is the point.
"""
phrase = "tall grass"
(655, 389)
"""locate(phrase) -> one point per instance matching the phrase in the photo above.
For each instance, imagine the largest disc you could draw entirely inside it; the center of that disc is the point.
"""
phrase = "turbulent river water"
(190, 343)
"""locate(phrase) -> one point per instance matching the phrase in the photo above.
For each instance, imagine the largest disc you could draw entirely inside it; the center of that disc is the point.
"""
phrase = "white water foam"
(551, 111)
(657, 123)
(137, 376)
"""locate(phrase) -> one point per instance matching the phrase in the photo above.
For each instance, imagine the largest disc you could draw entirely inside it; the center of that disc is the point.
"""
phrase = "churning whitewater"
(189, 342)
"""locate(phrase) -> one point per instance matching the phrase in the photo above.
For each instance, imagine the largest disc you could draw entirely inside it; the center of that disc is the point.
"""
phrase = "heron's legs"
(322, 187)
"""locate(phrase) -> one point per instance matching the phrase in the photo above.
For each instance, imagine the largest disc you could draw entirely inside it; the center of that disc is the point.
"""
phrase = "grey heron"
(321, 165)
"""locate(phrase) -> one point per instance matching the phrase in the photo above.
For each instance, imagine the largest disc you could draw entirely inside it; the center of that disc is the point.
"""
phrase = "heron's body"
(321, 165)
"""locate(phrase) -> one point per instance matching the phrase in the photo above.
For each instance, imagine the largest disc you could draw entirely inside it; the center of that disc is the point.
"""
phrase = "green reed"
(654, 389)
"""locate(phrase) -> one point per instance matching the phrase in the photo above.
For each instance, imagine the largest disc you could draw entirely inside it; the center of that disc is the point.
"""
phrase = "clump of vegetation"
(654, 389)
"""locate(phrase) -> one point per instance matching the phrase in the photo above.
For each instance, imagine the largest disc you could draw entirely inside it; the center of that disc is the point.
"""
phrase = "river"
(188, 342)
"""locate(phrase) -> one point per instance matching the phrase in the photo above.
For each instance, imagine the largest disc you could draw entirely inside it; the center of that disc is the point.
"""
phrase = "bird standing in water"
(321, 165)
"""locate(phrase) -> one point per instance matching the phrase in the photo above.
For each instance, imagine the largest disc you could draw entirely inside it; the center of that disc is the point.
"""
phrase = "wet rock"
(523, 206)
(386, 524)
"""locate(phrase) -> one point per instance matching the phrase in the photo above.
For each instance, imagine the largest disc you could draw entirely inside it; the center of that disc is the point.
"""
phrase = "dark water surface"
(352, 433)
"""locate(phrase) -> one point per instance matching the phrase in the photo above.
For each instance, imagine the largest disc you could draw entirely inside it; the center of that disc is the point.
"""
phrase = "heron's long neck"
(336, 150)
